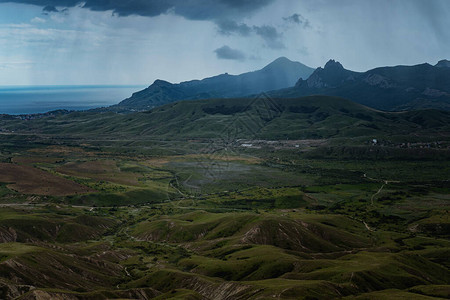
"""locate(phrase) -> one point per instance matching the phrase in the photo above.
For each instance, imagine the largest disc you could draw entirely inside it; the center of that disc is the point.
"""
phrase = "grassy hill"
(313, 117)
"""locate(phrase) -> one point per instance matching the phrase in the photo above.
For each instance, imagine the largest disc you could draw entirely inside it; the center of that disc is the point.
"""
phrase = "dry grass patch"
(29, 180)
(30, 160)
(106, 170)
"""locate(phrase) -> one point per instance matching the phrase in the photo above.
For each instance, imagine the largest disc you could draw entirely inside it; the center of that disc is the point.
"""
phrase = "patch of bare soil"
(29, 180)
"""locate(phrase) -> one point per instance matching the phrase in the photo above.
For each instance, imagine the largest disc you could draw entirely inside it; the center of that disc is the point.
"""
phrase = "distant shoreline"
(26, 100)
(76, 86)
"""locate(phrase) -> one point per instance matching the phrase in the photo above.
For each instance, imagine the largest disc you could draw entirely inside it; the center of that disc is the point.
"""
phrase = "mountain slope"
(281, 73)
(311, 117)
(387, 88)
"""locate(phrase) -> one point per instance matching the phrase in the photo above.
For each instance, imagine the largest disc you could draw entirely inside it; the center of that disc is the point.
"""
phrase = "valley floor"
(270, 220)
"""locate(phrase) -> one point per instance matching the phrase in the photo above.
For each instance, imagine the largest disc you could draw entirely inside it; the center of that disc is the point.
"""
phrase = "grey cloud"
(304, 51)
(226, 52)
(270, 35)
(298, 19)
(228, 27)
(219, 9)
(50, 8)
(144, 8)
(45, 3)
(190, 9)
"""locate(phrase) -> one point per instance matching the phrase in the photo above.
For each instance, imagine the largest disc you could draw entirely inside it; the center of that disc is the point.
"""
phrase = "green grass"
(391, 294)
(333, 117)
(189, 220)
(11, 250)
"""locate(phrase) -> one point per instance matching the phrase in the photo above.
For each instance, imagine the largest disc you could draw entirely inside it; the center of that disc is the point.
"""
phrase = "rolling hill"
(312, 117)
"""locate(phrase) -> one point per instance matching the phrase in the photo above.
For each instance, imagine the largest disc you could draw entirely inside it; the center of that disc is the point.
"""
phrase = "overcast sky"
(53, 42)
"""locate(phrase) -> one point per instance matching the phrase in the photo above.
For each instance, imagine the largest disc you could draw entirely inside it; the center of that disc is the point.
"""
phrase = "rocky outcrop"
(13, 291)
(138, 294)
(8, 235)
(332, 75)
(386, 88)
(443, 64)
(434, 93)
(379, 81)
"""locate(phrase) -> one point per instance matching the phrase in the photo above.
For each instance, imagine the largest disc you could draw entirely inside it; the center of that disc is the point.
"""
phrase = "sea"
(16, 100)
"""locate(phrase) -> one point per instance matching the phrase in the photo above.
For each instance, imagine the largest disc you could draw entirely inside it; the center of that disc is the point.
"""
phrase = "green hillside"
(313, 117)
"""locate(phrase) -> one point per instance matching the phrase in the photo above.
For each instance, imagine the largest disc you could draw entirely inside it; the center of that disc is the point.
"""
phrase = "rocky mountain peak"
(159, 82)
(281, 64)
(445, 63)
(332, 64)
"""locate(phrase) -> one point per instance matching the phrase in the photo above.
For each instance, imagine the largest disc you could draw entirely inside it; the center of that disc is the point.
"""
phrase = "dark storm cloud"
(50, 8)
(226, 52)
(227, 27)
(44, 3)
(190, 9)
(145, 8)
(298, 19)
(219, 9)
(270, 35)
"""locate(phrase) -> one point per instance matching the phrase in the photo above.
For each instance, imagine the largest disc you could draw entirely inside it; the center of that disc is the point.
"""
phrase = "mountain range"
(387, 88)
(395, 88)
(279, 74)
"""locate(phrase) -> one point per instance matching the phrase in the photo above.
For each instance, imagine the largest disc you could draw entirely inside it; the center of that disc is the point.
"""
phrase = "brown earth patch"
(99, 170)
(97, 167)
(245, 159)
(61, 150)
(29, 180)
(157, 162)
(30, 160)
